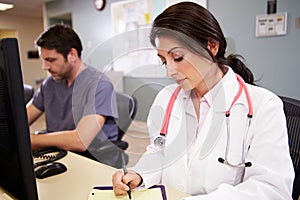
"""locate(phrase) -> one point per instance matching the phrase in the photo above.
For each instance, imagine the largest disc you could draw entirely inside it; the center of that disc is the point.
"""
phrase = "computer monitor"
(17, 176)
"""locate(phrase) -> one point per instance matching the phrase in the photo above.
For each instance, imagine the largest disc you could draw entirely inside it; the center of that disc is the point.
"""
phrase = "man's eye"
(50, 60)
(164, 62)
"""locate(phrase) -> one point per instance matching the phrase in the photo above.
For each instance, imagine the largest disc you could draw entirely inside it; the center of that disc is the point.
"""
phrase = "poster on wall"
(132, 52)
(130, 14)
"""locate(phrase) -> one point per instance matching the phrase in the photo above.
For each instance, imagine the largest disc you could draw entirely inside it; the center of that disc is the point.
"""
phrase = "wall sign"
(271, 24)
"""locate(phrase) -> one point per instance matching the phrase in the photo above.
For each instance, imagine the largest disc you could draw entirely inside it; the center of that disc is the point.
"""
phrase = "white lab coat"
(271, 174)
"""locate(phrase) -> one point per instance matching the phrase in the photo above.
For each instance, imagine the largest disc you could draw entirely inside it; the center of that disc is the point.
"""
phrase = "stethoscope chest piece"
(160, 142)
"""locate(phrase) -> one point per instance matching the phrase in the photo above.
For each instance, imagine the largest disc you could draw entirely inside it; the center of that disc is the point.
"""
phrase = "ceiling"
(31, 8)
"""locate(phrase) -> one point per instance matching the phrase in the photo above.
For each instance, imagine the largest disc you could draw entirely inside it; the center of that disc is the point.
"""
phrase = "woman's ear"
(213, 47)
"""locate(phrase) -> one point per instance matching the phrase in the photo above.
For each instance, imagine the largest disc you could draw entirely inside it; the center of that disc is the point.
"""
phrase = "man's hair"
(61, 38)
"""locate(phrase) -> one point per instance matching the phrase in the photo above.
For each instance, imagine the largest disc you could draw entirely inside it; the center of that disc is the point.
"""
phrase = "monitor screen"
(17, 176)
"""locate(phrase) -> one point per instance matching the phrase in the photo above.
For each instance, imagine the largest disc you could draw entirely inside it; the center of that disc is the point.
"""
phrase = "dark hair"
(193, 26)
(61, 38)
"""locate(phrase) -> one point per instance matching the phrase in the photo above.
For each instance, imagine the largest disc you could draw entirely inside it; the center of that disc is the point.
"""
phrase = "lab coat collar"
(225, 92)
(222, 94)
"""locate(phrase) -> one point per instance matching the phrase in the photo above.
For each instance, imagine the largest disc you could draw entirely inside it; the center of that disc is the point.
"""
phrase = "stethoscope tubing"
(160, 140)
(165, 125)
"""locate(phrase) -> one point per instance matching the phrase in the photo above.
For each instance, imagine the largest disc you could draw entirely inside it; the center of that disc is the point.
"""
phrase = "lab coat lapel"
(176, 143)
(214, 124)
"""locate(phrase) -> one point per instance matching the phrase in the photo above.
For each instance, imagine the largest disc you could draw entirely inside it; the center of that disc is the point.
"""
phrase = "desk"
(81, 176)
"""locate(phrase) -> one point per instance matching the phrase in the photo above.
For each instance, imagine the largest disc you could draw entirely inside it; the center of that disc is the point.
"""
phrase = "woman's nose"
(170, 70)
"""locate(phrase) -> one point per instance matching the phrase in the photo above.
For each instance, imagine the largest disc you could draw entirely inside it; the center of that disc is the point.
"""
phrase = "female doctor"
(222, 138)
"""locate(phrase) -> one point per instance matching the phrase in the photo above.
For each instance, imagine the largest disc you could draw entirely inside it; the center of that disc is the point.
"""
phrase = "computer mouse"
(50, 169)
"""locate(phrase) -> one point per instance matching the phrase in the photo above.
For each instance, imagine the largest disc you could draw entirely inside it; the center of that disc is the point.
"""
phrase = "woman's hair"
(61, 38)
(194, 26)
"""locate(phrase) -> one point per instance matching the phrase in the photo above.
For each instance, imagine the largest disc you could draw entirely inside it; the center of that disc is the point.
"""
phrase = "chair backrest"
(28, 92)
(127, 109)
(292, 112)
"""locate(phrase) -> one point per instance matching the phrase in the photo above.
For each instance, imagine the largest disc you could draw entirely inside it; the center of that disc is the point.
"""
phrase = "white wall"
(28, 29)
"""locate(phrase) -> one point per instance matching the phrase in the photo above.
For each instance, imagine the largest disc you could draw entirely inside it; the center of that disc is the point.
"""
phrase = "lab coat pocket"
(215, 173)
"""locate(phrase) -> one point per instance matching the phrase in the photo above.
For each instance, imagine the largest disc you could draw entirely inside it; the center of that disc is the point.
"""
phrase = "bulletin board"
(132, 51)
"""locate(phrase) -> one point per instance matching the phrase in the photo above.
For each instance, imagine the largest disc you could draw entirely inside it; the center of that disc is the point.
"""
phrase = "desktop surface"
(81, 176)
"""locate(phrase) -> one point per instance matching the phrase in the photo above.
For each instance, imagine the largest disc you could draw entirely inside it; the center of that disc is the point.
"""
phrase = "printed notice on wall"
(271, 25)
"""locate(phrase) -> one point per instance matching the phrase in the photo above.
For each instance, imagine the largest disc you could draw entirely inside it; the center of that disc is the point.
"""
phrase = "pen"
(125, 172)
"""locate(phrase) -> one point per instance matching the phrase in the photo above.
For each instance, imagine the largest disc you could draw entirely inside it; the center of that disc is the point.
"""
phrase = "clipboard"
(157, 192)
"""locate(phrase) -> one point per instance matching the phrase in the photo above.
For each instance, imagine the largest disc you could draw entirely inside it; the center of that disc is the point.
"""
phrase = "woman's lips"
(180, 82)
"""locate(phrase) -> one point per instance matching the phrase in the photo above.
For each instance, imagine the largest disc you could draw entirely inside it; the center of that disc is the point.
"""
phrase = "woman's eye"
(163, 62)
(178, 59)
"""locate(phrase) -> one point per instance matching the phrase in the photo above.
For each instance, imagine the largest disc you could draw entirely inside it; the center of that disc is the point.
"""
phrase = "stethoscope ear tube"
(249, 116)
(243, 164)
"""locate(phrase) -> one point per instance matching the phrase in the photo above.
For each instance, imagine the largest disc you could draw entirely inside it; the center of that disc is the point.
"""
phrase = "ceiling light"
(5, 6)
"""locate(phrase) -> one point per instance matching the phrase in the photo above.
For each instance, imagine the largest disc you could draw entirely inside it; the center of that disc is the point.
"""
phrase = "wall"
(28, 29)
(93, 27)
(144, 90)
(273, 60)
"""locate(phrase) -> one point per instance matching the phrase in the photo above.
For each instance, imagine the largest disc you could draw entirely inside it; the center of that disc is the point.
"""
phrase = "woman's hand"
(120, 181)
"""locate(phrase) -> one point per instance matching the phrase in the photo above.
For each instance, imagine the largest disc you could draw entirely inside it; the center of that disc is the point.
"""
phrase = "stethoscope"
(160, 141)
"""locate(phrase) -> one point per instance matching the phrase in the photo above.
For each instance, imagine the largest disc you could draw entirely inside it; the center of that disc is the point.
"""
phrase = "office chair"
(110, 152)
(126, 109)
(28, 93)
(292, 112)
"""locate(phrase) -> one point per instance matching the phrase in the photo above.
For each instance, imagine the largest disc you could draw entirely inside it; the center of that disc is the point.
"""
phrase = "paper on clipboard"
(106, 193)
